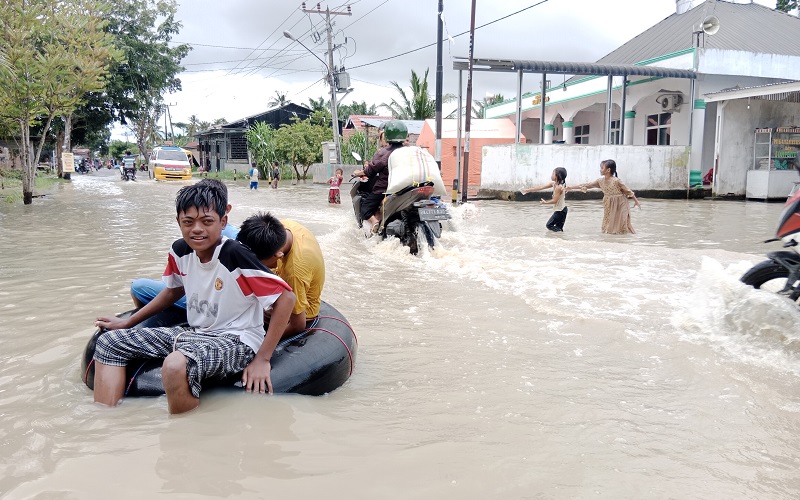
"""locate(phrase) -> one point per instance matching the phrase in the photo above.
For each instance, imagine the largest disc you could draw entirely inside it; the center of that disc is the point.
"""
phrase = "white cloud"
(237, 81)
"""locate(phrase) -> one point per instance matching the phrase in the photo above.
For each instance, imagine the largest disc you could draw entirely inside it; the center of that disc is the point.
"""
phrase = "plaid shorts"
(208, 356)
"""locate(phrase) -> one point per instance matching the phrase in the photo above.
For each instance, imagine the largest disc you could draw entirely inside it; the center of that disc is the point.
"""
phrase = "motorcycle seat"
(413, 186)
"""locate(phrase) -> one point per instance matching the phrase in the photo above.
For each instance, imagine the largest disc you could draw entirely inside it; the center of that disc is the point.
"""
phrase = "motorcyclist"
(128, 163)
(394, 133)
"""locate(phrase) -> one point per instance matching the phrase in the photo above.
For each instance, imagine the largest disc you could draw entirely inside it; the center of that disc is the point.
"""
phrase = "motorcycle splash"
(781, 272)
(412, 214)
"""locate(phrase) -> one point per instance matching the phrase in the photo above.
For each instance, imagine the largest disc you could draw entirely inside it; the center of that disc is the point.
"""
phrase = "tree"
(279, 100)
(318, 105)
(300, 144)
(193, 126)
(786, 5)
(420, 105)
(261, 144)
(143, 31)
(356, 108)
(55, 52)
(357, 143)
(478, 107)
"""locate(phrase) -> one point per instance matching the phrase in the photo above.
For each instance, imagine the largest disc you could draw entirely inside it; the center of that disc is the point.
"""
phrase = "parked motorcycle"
(128, 173)
(407, 213)
(781, 273)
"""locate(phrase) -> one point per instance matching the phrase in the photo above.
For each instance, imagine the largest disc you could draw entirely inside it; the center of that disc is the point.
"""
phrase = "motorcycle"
(406, 213)
(128, 173)
(781, 273)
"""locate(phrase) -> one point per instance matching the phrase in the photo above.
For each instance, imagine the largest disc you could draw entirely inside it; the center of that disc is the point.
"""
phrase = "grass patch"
(11, 184)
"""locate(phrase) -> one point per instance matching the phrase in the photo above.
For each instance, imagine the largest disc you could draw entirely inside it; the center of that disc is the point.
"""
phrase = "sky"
(240, 58)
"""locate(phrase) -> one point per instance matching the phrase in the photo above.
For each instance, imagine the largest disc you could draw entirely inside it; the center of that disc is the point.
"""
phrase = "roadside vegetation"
(11, 184)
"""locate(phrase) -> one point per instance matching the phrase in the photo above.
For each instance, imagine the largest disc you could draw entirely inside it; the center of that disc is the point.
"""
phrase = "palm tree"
(318, 105)
(420, 106)
(478, 107)
(194, 124)
(279, 100)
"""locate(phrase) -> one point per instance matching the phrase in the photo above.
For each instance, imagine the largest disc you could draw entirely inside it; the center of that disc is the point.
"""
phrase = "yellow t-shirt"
(303, 268)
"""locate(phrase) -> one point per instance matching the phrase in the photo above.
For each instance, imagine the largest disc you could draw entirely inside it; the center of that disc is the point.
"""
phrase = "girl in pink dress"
(333, 192)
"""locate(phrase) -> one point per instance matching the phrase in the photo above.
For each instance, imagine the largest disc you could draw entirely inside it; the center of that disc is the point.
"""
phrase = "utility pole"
(439, 33)
(465, 177)
(331, 72)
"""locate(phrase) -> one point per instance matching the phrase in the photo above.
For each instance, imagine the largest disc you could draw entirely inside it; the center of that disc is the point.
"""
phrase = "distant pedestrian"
(276, 175)
(253, 176)
(616, 210)
(559, 185)
(333, 192)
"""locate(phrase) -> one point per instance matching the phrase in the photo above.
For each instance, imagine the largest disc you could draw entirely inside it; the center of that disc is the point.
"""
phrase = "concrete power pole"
(332, 73)
(439, 32)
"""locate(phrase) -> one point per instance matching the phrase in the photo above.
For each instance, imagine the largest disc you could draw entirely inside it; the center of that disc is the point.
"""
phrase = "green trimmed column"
(549, 128)
(569, 133)
(630, 119)
(698, 126)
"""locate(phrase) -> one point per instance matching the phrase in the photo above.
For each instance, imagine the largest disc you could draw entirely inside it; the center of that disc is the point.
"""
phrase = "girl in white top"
(559, 185)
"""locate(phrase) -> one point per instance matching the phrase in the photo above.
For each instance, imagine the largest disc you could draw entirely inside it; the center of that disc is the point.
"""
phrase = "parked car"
(170, 163)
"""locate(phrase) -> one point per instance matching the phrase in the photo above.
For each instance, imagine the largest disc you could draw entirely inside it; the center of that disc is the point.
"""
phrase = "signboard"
(68, 161)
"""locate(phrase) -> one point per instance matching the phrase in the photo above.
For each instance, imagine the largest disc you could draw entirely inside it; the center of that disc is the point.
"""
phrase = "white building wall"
(508, 167)
(736, 138)
(738, 62)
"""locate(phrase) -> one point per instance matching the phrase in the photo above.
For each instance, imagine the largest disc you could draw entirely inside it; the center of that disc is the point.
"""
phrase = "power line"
(462, 33)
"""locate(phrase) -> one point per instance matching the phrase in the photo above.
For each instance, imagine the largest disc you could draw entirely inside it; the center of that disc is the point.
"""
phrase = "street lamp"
(332, 83)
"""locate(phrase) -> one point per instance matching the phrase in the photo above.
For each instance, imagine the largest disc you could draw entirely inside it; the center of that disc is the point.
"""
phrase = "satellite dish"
(710, 25)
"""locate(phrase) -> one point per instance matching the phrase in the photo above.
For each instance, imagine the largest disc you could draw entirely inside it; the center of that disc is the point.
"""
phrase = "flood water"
(508, 363)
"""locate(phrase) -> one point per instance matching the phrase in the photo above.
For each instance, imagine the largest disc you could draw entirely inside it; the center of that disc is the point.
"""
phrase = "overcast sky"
(240, 56)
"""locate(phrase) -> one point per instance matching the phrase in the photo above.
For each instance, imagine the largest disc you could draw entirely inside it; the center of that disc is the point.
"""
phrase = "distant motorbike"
(128, 173)
(781, 273)
(410, 212)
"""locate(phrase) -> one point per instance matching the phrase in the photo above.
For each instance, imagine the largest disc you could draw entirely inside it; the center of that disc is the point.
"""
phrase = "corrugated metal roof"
(781, 91)
(573, 68)
(749, 27)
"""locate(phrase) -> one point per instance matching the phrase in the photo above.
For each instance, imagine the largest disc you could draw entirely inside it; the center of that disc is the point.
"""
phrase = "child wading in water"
(335, 181)
(616, 210)
(254, 177)
(559, 185)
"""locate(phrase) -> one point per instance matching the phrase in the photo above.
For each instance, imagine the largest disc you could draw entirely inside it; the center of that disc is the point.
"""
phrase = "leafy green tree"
(355, 108)
(300, 144)
(419, 105)
(143, 31)
(786, 5)
(261, 144)
(117, 148)
(55, 52)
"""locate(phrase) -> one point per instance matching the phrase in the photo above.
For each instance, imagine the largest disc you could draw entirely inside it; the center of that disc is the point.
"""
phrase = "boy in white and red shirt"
(227, 291)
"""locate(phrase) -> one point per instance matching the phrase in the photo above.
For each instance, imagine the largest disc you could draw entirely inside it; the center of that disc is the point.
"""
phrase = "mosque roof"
(748, 27)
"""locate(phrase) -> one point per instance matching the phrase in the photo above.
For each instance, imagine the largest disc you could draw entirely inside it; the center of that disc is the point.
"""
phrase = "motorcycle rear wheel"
(769, 276)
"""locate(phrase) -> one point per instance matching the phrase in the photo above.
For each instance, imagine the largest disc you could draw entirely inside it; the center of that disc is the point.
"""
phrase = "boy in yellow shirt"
(299, 262)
